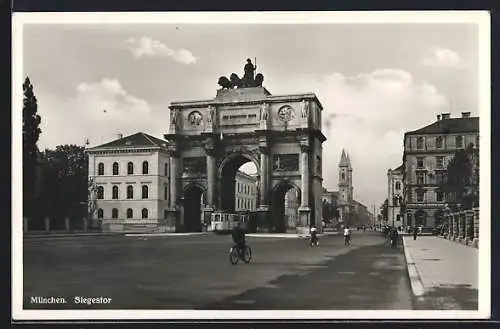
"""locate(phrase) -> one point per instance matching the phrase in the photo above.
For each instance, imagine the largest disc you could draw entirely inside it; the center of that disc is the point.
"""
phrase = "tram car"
(223, 222)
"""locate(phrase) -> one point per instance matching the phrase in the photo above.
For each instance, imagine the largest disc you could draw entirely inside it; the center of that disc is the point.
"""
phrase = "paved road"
(193, 272)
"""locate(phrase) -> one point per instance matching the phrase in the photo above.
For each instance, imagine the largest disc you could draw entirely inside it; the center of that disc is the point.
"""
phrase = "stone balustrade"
(463, 227)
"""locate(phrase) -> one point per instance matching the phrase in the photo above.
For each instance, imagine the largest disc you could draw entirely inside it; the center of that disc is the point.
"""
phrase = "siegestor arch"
(277, 193)
(193, 194)
(241, 158)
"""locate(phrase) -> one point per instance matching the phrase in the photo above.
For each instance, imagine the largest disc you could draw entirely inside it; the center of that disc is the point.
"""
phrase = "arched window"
(100, 213)
(100, 192)
(420, 143)
(130, 192)
(343, 175)
(144, 213)
(115, 168)
(115, 192)
(130, 168)
(130, 213)
(100, 169)
(439, 142)
(144, 192)
(166, 169)
(166, 192)
(398, 185)
(145, 168)
(458, 141)
(114, 213)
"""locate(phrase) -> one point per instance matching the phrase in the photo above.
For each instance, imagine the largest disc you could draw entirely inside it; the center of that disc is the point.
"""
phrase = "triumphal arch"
(210, 139)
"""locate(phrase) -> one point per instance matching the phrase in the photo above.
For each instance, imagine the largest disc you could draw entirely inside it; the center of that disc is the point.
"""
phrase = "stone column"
(461, 220)
(47, 224)
(172, 213)
(66, 225)
(476, 228)
(455, 228)
(469, 218)
(263, 210)
(304, 209)
(211, 175)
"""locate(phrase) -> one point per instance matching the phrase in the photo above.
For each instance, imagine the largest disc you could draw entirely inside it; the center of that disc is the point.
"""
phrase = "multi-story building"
(292, 203)
(427, 152)
(131, 176)
(245, 192)
(395, 196)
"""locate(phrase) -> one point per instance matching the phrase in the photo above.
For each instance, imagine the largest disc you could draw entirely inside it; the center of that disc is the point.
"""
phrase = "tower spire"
(344, 160)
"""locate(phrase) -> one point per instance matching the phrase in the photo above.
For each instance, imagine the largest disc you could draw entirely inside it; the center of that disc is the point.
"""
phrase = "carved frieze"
(195, 118)
(286, 113)
(286, 162)
(194, 165)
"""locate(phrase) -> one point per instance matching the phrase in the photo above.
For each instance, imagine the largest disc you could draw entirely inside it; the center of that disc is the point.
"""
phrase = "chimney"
(120, 136)
(465, 114)
(438, 117)
(445, 116)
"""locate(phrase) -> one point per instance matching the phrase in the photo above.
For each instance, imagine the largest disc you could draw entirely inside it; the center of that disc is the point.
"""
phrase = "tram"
(224, 222)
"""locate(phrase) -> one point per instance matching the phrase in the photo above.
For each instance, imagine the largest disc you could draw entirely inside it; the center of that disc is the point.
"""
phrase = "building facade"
(427, 152)
(292, 204)
(395, 196)
(245, 192)
(131, 179)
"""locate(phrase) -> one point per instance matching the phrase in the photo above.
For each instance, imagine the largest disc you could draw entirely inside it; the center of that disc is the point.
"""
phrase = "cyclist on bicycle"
(347, 235)
(239, 237)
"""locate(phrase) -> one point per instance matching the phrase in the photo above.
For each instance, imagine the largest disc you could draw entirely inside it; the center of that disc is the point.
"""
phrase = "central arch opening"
(193, 201)
(239, 184)
(284, 207)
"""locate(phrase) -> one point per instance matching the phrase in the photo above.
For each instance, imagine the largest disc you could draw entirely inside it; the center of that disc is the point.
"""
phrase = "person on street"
(415, 232)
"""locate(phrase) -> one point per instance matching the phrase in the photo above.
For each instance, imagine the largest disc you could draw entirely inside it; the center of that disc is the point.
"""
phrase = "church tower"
(345, 197)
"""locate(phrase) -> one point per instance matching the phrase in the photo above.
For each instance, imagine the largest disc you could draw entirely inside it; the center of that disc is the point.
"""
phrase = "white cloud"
(147, 47)
(441, 57)
(99, 111)
(367, 114)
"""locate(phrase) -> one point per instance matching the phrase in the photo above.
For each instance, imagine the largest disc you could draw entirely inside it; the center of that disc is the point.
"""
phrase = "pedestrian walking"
(415, 232)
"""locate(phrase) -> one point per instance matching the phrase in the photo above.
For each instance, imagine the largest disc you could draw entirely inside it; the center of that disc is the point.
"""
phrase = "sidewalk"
(443, 272)
(41, 234)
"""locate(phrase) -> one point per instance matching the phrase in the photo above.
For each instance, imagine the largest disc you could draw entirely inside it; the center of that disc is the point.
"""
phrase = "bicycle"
(347, 240)
(235, 254)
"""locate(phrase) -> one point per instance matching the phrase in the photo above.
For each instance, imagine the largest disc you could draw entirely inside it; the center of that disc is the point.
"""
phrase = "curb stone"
(417, 286)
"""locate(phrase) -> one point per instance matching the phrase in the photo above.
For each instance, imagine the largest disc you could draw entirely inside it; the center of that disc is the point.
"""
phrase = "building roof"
(344, 160)
(139, 139)
(445, 126)
(400, 168)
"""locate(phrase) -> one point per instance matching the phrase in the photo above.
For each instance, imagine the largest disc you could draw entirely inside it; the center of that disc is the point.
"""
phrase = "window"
(145, 168)
(420, 162)
(130, 168)
(439, 196)
(439, 142)
(420, 178)
(115, 192)
(115, 168)
(440, 177)
(440, 162)
(420, 196)
(420, 143)
(114, 213)
(459, 141)
(166, 192)
(100, 213)
(343, 175)
(144, 192)
(166, 169)
(144, 213)
(130, 192)
(130, 213)
(100, 192)
(398, 185)
(100, 169)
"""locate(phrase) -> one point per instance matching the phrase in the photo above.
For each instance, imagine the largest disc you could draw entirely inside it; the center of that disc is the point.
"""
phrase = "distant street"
(194, 272)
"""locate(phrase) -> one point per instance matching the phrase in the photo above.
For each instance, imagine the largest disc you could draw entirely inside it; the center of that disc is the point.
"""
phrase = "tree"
(31, 134)
(461, 187)
(384, 210)
(65, 185)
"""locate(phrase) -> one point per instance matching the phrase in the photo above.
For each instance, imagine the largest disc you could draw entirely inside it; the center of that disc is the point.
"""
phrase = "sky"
(375, 81)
